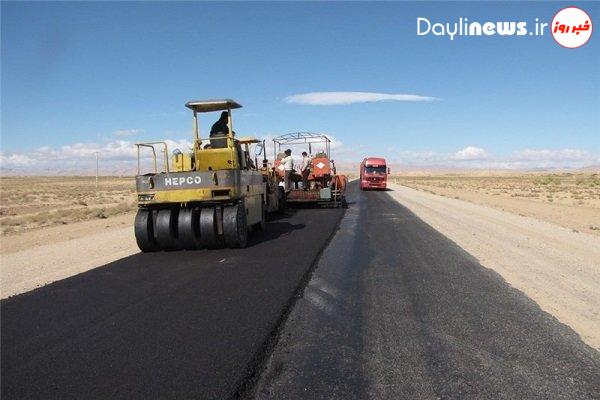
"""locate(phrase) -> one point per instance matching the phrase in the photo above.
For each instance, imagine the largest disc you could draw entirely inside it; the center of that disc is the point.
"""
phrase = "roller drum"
(208, 228)
(235, 229)
(188, 229)
(166, 229)
(144, 231)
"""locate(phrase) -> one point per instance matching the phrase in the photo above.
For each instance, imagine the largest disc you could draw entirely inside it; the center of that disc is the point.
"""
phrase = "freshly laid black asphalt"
(173, 325)
(395, 310)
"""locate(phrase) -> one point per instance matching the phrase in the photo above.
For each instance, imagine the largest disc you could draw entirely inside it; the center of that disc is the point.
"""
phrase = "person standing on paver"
(288, 167)
(305, 169)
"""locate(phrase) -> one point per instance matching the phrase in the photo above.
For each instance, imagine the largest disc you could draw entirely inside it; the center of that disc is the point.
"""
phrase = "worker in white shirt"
(288, 167)
(305, 169)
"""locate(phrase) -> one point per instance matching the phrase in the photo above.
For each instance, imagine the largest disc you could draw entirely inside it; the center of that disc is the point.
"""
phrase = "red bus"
(373, 173)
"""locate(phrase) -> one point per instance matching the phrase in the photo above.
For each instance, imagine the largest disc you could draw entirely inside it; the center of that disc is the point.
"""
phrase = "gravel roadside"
(37, 258)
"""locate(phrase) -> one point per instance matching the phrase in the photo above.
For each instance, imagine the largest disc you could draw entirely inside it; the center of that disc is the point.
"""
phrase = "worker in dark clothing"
(220, 127)
(219, 131)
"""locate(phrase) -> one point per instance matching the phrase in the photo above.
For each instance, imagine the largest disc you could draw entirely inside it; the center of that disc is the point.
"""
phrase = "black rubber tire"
(166, 229)
(262, 225)
(235, 229)
(144, 231)
(208, 228)
(281, 203)
(188, 228)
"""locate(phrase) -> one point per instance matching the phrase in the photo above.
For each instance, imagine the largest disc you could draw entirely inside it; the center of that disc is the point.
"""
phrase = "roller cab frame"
(207, 197)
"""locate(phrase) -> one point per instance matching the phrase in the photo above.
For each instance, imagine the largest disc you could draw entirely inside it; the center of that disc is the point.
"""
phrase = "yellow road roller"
(207, 197)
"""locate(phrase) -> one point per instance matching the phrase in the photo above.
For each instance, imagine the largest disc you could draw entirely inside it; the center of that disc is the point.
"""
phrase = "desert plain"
(570, 200)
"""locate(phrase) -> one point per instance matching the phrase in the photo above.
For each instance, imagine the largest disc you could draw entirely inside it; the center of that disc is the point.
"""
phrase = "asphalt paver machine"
(325, 187)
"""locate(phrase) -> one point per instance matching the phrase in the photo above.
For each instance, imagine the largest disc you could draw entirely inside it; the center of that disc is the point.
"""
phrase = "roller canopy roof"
(212, 105)
(248, 140)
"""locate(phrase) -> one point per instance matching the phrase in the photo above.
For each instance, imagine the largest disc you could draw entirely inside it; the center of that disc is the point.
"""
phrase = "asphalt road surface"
(395, 310)
(165, 325)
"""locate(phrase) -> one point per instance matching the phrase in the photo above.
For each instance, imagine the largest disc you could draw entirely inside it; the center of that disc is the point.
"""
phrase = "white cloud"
(336, 98)
(470, 153)
(16, 160)
(119, 156)
(557, 158)
(127, 132)
(474, 157)
(550, 155)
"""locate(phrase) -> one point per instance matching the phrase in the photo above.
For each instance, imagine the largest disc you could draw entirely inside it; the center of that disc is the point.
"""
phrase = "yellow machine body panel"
(225, 186)
(216, 159)
(181, 187)
(182, 162)
(198, 195)
(206, 160)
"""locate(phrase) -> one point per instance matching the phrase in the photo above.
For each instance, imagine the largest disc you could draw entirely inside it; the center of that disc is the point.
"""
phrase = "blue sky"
(106, 73)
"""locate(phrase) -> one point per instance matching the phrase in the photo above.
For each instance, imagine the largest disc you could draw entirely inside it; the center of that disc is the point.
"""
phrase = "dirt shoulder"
(38, 257)
(569, 200)
(53, 227)
(556, 267)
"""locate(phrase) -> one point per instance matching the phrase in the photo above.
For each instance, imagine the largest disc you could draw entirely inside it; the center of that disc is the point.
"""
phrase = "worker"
(305, 169)
(220, 127)
(288, 167)
(249, 161)
(219, 131)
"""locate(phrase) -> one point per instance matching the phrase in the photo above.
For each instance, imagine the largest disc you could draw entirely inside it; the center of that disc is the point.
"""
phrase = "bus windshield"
(375, 170)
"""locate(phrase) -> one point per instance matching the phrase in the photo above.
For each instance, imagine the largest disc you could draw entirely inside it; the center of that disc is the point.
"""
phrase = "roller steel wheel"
(260, 226)
(166, 229)
(188, 229)
(235, 229)
(209, 236)
(144, 231)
